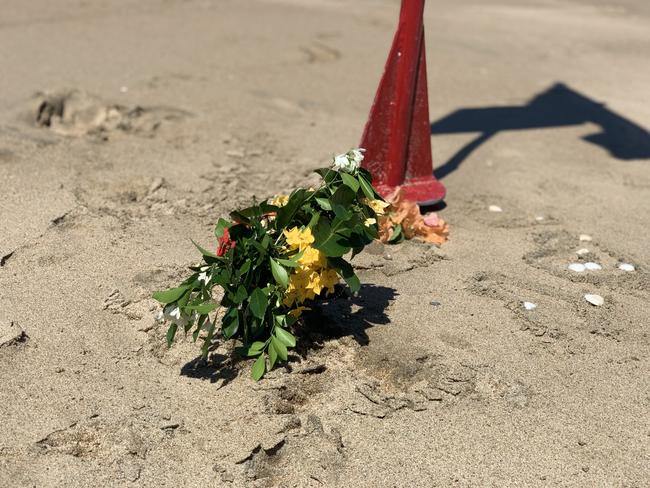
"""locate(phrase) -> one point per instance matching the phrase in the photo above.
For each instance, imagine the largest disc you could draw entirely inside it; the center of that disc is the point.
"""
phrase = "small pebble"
(495, 208)
(434, 303)
(582, 251)
(585, 238)
(539, 218)
(596, 300)
(577, 267)
(593, 266)
(626, 267)
(530, 305)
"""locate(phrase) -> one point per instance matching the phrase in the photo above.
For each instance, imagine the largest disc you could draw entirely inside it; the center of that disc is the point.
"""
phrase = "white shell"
(577, 267)
(582, 251)
(495, 208)
(626, 267)
(593, 266)
(530, 305)
(596, 300)
(585, 237)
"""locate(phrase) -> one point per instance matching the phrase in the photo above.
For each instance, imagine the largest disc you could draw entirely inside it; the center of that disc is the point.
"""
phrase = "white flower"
(172, 313)
(341, 163)
(203, 276)
(357, 155)
(350, 161)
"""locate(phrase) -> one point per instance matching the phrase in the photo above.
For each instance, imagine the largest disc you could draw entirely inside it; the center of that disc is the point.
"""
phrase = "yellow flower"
(299, 239)
(369, 222)
(378, 206)
(280, 200)
(329, 278)
(312, 257)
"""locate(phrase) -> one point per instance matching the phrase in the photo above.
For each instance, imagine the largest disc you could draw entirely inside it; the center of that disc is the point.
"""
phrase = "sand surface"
(177, 111)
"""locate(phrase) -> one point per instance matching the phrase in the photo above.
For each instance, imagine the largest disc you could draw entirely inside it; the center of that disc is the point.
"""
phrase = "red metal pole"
(397, 135)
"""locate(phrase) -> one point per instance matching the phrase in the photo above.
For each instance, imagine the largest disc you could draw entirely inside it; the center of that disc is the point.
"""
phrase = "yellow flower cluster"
(312, 276)
(378, 206)
(280, 200)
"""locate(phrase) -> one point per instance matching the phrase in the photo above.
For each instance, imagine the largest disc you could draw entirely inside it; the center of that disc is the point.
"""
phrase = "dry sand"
(177, 111)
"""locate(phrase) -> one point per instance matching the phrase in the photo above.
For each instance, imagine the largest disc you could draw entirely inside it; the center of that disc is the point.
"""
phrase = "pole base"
(424, 190)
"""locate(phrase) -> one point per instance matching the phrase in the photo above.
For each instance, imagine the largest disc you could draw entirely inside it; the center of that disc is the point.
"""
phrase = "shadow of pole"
(559, 106)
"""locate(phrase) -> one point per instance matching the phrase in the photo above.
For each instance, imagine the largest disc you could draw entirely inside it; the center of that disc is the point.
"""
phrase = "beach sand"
(176, 112)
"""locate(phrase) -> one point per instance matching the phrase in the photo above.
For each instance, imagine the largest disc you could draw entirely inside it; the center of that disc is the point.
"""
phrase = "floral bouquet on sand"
(273, 259)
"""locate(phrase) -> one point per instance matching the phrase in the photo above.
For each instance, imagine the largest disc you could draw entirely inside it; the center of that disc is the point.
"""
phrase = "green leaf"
(285, 214)
(253, 349)
(289, 263)
(343, 196)
(285, 337)
(341, 213)
(230, 323)
(273, 356)
(205, 349)
(204, 251)
(258, 303)
(324, 203)
(244, 268)
(171, 332)
(367, 188)
(346, 271)
(350, 181)
(280, 348)
(203, 308)
(171, 295)
(259, 367)
(328, 242)
(240, 295)
(221, 226)
(279, 273)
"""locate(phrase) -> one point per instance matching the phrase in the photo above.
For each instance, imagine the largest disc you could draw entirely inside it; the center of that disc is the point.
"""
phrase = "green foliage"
(253, 265)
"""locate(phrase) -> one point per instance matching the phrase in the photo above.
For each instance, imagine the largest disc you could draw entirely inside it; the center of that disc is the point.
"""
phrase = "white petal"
(585, 237)
(626, 267)
(495, 208)
(596, 300)
(577, 267)
(530, 305)
(593, 266)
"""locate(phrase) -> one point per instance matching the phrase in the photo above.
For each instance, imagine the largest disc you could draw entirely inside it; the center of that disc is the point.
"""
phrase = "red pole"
(397, 135)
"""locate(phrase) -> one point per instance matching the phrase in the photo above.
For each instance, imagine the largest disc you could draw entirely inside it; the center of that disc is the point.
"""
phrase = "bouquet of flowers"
(272, 259)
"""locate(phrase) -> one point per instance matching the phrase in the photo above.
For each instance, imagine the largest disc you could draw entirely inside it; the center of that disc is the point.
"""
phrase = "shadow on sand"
(338, 316)
(559, 106)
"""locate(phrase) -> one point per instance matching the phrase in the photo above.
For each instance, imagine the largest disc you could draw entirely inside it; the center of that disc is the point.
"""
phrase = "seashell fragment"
(495, 208)
(582, 251)
(577, 267)
(530, 305)
(595, 300)
(593, 266)
(626, 267)
(585, 238)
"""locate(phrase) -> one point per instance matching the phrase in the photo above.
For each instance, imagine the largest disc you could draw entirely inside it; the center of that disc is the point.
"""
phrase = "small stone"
(582, 251)
(577, 267)
(626, 267)
(585, 469)
(434, 303)
(227, 477)
(585, 238)
(495, 208)
(156, 185)
(530, 305)
(539, 218)
(595, 300)
(593, 266)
